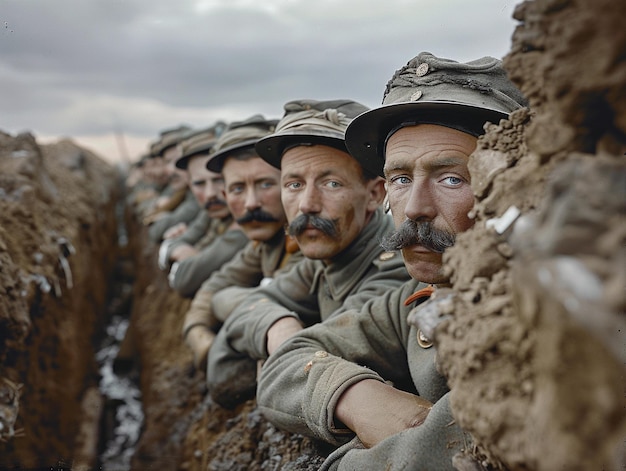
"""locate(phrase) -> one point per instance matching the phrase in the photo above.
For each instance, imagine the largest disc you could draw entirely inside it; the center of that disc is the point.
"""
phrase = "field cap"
(170, 138)
(200, 141)
(433, 90)
(308, 122)
(238, 136)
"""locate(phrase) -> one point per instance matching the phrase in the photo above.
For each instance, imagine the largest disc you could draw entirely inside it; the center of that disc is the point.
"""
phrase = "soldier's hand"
(199, 339)
(175, 231)
(375, 410)
(182, 252)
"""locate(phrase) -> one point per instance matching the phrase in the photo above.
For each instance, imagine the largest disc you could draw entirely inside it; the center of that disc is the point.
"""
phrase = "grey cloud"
(167, 57)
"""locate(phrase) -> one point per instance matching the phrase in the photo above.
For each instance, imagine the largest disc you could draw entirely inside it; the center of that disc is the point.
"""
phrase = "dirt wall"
(58, 247)
(535, 350)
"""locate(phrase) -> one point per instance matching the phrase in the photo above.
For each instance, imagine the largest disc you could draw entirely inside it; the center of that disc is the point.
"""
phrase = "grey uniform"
(256, 264)
(198, 232)
(311, 292)
(185, 212)
(302, 381)
(218, 246)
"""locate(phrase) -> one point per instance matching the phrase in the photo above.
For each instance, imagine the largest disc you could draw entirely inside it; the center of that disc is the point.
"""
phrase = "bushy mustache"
(257, 214)
(214, 202)
(418, 233)
(299, 224)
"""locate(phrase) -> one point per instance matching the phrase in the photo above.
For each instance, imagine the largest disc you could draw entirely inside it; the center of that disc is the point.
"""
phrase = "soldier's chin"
(424, 266)
(261, 231)
(218, 211)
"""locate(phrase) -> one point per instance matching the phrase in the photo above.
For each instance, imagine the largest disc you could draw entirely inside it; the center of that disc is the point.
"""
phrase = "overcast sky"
(111, 74)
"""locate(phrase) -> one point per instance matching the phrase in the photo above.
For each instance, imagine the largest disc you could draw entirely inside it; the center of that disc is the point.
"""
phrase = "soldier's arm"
(243, 270)
(288, 295)
(302, 382)
(193, 271)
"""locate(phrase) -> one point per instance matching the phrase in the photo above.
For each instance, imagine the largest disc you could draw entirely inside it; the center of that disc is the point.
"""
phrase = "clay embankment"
(58, 249)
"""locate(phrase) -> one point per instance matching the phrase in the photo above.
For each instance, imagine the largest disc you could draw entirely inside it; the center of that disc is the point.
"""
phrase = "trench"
(122, 411)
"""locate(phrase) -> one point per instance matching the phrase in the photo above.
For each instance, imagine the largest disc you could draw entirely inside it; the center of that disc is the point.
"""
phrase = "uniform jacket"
(302, 381)
(311, 291)
(257, 264)
(218, 245)
(185, 212)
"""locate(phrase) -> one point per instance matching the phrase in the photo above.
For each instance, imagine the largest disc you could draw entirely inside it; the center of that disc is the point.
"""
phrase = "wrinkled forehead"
(420, 144)
(197, 167)
(253, 168)
(314, 159)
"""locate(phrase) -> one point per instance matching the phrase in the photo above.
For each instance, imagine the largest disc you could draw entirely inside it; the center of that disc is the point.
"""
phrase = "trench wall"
(58, 249)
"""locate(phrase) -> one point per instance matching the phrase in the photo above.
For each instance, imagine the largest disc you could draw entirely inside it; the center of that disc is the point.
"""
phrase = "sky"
(113, 74)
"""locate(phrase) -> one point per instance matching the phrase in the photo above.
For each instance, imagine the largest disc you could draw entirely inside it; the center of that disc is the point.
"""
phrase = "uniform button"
(383, 257)
(422, 340)
(421, 69)
(416, 95)
(321, 354)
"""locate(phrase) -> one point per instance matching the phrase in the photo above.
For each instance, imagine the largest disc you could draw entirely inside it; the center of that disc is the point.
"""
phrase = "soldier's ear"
(377, 192)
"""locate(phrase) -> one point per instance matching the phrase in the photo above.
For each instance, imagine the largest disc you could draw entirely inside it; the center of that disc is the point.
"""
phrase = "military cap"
(432, 90)
(153, 149)
(238, 136)
(199, 141)
(170, 138)
(309, 122)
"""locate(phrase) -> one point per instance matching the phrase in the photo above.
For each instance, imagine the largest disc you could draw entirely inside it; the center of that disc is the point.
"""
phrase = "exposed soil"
(57, 207)
(535, 351)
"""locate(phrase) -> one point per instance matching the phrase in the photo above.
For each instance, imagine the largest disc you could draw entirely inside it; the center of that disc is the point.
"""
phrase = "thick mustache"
(214, 202)
(418, 233)
(299, 224)
(256, 214)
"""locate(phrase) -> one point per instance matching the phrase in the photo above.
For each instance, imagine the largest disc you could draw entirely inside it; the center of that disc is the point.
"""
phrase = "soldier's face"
(157, 171)
(428, 182)
(178, 177)
(252, 190)
(207, 187)
(321, 183)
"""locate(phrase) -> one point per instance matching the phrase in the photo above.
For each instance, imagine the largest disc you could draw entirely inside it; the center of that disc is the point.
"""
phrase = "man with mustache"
(334, 211)
(214, 237)
(252, 192)
(367, 379)
(176, 205)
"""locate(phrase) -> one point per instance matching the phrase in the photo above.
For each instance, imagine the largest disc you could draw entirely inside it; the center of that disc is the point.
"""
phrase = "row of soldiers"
(305, 243)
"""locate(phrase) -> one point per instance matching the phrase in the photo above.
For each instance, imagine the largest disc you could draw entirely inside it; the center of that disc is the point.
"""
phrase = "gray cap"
(170, 138)
(240, 135)
(197, 142)
(309, 122)
(432, 90)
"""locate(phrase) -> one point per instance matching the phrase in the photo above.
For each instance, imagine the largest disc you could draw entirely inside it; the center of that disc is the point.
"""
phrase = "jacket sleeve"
(288, 295)
(193, 271)
(231, 365)
(431, 445)
(302, 381)
(184, 212)
(243, 270)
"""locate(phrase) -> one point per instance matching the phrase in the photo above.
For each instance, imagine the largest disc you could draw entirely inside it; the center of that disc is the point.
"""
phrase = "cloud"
(71, 67)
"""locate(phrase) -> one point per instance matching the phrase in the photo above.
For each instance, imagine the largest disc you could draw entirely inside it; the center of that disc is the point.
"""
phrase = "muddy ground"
(533, 348)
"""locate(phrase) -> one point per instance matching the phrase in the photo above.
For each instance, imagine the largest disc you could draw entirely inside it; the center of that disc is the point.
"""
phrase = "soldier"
(334, 211)
(252, 189)
(368, 375)
(213, 238)
(176, 203)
